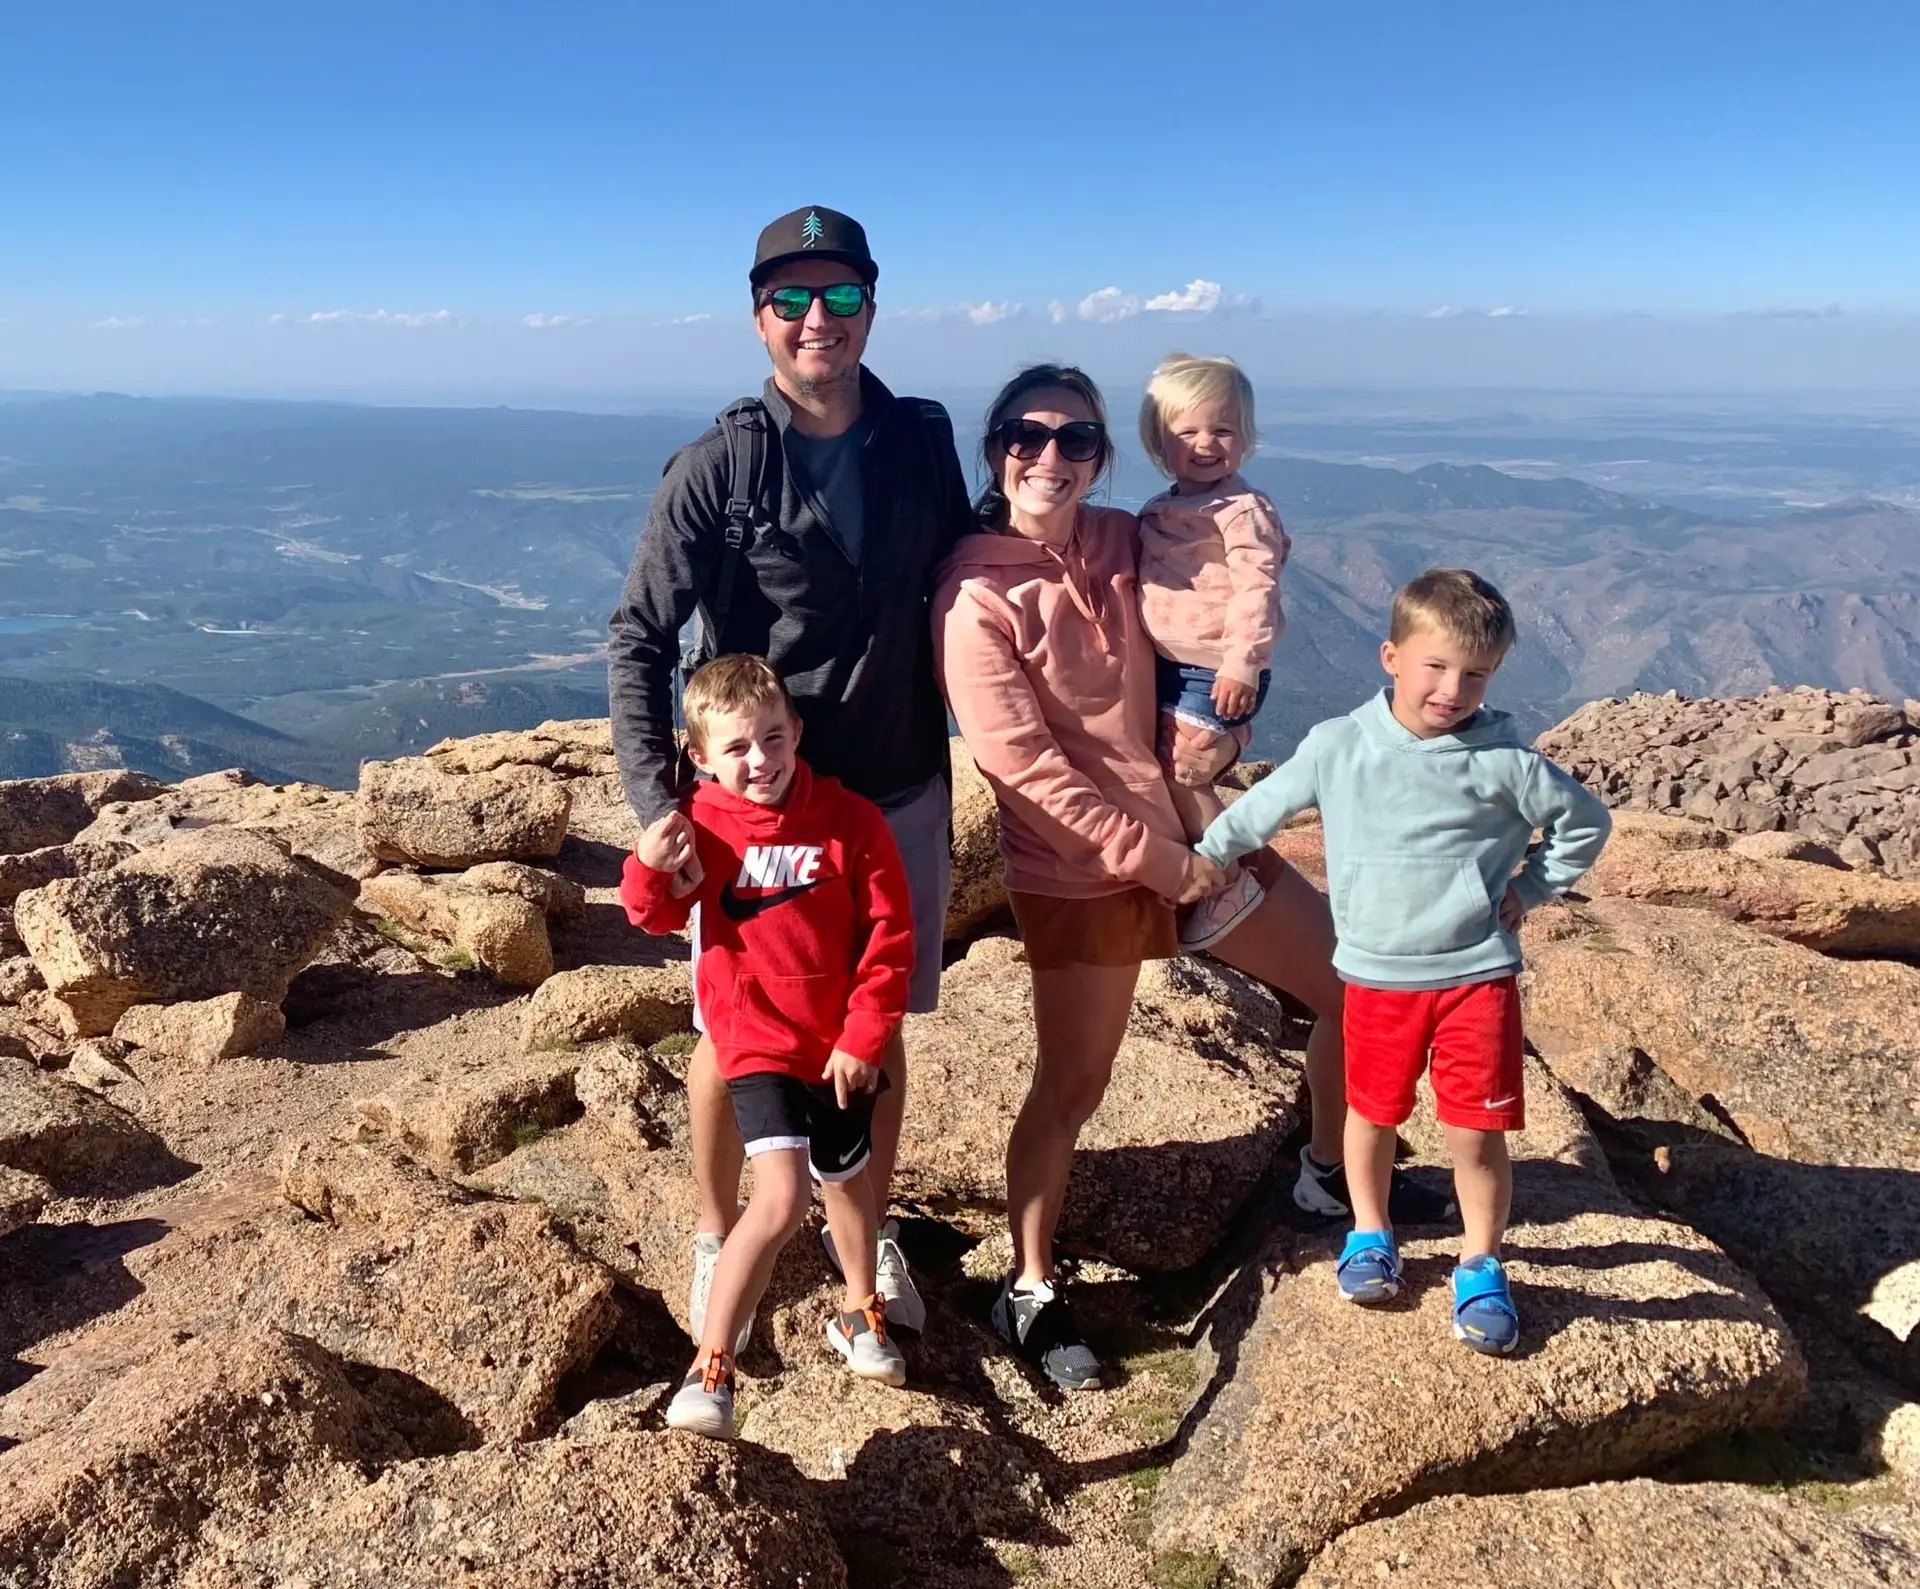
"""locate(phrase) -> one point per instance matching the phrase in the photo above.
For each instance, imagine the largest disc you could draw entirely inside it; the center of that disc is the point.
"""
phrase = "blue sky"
(202, 168)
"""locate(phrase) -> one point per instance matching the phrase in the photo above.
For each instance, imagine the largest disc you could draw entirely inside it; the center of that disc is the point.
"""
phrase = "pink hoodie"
(1210, 577)
(1049, 674)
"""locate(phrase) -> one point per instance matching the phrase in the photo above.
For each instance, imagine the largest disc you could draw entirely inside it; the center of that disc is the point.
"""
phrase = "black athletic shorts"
(779, 1111)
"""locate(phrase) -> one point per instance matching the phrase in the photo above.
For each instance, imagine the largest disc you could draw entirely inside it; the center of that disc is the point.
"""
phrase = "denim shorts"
(1187, 691)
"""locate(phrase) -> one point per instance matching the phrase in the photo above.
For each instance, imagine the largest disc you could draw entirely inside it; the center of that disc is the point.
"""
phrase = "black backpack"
(748, 428)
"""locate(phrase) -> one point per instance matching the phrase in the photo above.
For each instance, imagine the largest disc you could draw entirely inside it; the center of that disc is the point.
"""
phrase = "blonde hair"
(1183, 381)
(1458, 603)
(730, 685)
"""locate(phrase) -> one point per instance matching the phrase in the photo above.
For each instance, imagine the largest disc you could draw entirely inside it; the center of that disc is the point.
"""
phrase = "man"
(806, 528)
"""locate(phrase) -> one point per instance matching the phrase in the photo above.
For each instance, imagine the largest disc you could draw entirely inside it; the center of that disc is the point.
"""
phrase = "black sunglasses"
(843, 299)
(1080, 440)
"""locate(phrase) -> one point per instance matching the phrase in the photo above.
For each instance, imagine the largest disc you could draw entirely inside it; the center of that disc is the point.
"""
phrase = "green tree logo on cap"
(811, 229)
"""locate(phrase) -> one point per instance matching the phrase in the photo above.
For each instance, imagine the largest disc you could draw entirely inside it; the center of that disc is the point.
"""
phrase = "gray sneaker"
(706, 1257)
(703, 1405)
(905, 1309)
(861, 1338)
(1038, 1325)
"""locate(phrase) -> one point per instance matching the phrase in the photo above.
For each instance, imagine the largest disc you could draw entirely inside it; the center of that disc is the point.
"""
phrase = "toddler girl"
(1211, 551)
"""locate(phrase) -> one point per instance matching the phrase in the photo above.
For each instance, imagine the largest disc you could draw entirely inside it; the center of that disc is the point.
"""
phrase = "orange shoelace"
(715, 1370)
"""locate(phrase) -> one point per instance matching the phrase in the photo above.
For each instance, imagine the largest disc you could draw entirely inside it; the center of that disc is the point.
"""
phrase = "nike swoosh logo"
(1499, 1103)
(738, 909)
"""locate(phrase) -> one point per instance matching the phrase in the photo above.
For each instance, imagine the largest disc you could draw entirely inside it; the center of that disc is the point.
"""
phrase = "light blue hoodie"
(1422, 839)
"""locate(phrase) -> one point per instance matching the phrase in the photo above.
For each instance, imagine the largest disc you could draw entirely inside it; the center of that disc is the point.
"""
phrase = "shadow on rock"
(55, 1278)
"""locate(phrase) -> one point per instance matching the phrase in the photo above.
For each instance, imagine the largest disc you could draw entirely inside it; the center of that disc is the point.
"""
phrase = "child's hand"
(1203, 880)
(1512, 912)
(1233, 699)
(850, 1075)
(667, 846)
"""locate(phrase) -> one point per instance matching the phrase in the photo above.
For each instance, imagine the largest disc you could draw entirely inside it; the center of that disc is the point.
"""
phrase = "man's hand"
(850, 1075)
(1231, 698)
(1203, 880)
(1512, 912)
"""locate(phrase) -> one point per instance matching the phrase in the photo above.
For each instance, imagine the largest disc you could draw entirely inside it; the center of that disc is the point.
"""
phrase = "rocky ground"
(345, 1187)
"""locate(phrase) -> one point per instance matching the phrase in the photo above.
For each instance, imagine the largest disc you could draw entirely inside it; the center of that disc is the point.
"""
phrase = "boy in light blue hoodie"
(1429, 802)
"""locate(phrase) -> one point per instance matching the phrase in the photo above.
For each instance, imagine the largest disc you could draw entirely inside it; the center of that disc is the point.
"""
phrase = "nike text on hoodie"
(806, 927)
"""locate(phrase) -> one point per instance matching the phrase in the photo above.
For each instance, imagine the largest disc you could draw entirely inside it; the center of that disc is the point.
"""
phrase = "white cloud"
(115, 322)
(545, 322)
(380, 317)
(1506, 312)
(991, 314)
(1197, 297)
(1446, 311)
(685, 320)
(1107, 305)
(1111, 305)
(195, 322)
(1453, 311)
(984, 313)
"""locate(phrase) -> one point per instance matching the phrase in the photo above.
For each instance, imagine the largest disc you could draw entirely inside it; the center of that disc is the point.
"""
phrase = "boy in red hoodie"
(805, 939)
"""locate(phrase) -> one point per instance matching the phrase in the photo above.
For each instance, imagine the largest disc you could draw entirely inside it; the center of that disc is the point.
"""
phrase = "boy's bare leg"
(888, 1111)
(718, 1156)
(851, 1218)
(1483, 1183)
(1369, 1150)
(782, 1191)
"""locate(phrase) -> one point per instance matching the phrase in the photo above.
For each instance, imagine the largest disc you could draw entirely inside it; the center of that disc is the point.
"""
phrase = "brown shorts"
(1112, 930)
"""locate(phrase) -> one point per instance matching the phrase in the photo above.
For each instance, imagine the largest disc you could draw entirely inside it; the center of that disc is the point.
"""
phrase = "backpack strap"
(747, 426)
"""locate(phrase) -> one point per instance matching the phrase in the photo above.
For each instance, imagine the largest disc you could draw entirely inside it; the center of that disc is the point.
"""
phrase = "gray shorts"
(921, 820)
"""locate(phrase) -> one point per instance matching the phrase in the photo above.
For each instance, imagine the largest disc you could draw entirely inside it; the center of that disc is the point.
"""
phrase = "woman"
(1050, 677)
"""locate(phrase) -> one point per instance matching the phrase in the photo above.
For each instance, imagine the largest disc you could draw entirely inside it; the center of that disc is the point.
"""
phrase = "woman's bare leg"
(1288, 943)
(1079, 1016)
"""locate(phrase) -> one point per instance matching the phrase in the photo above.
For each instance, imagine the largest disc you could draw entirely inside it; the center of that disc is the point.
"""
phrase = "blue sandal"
(1483, 1312)
(1369, 1267)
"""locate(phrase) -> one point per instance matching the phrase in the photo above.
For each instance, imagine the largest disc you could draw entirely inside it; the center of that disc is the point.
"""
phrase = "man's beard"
(808, 388)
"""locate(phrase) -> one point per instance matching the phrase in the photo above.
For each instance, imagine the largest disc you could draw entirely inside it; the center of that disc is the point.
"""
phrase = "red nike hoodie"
(806, 930)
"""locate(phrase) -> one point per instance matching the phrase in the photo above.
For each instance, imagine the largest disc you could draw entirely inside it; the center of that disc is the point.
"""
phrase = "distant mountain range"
(332, 581)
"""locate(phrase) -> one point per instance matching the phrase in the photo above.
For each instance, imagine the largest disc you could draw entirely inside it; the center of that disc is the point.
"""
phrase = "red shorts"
(1472, 1035)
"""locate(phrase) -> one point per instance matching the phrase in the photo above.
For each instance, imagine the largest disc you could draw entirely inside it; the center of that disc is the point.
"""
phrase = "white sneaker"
(703, 1405)
(706, 1257)
(905, 1308)
(861, 1338)
(1212, 919)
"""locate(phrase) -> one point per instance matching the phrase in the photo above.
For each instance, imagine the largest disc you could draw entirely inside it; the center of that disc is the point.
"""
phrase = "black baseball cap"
(814, 232)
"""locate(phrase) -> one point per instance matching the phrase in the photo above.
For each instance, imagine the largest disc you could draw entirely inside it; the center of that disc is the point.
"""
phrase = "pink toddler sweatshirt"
(1210, 578)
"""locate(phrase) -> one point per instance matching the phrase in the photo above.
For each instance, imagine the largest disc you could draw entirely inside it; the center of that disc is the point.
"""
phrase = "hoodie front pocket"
(781, 1017)
(1414, 905)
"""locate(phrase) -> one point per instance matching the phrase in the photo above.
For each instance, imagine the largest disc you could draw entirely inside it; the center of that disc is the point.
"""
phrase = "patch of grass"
(1185, 1569)
(1769, 1459)
(1020, 1562)
(528, 1132)
(457, 960)
(1160, 1386)
(675, 1045)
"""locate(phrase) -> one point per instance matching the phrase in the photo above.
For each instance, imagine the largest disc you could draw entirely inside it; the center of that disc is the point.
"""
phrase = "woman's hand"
(1203, 880)
(667, 846)
(1232, 699)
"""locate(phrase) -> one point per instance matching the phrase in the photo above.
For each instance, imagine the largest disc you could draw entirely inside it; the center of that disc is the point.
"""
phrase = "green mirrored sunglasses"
(843, 299)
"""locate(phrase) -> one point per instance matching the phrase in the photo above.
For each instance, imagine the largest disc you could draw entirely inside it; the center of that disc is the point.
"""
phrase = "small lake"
(34, 625)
